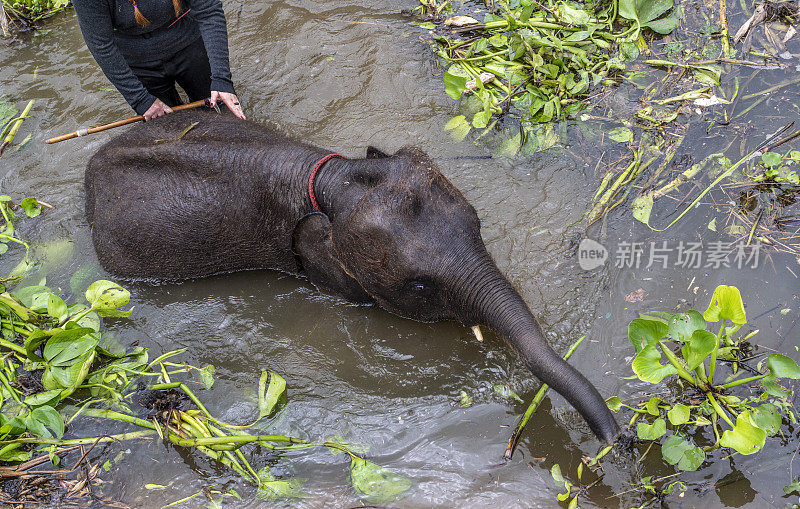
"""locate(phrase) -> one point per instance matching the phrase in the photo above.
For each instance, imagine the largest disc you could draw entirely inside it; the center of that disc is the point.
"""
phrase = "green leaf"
(11, 454)
(56, 307)
(82, 278)
(36, 427)
(647, 367)
(77, 372)
(55, 255)
(106, 296)
(110, 346)
(555, 471)
(207, 376)
(793, 487)
(32, 342)
(767, 417)
(505, 392)
(272, 489)
(66, 345)
(621, 134)
(269, 400)
(726, 303)
(573, 504)
(652, 406)
(698, 347)
(15, 305)
(11, 427)
(648, 10)
(643, 332)
(746, 438)
(49, 417)
(8, 111)
(676, 450)
(22, 268)
(683, 325)
(39, 302)
(678, 414)
(376, 484)
(614, 403)
(651, 431)
(458, 127)
(481, 119)
(774, 389)
(114, 313)
(50, 398)
(454, 85)
(90, 320)
(781, 366)
(627, 9)
(573, 16)
(663, 26)
(31, 207)
(771, 159)
(783, 174)
(642, 208)
(629, 50)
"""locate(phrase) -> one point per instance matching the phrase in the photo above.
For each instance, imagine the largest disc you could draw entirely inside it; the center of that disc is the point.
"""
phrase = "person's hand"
(158, 109)
(230, 100)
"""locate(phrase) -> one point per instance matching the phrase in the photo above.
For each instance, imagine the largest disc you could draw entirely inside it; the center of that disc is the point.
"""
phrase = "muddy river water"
(344, 75)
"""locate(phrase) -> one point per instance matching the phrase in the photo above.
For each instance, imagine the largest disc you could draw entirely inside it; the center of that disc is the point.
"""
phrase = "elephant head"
(395, 231)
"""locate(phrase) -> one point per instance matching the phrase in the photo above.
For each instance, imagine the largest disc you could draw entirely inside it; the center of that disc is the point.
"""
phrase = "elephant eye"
(420, 288)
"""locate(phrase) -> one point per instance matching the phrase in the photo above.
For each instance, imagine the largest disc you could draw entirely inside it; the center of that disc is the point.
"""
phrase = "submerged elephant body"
(231, 195)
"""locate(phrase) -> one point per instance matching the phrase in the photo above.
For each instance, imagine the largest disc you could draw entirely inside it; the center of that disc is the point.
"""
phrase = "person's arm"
(95, 22)
(213, 28)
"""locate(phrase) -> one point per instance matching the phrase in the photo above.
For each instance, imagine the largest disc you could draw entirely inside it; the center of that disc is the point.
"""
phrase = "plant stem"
(673, 359)
(81, 441)
(719, 409)
(743, 381)
(713, 361)
(13, 346)
(537, 400)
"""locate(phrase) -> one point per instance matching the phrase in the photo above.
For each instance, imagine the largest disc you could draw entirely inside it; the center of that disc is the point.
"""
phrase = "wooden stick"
(118, 123)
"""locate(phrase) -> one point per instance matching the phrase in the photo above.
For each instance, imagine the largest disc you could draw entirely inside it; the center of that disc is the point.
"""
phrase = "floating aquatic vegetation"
(538, 62)
(26, 13)
(10, 123)
(700, 406)
(60, 366)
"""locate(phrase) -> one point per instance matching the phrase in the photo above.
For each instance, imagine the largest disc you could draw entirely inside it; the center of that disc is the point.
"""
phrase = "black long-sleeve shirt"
(114, 39)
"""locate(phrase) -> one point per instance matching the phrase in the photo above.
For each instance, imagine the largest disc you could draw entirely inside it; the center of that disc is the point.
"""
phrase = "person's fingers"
(233, 104)
(167, 109)
(212, 101)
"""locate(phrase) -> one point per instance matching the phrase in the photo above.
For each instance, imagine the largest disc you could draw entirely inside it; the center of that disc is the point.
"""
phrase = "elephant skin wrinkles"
(232, 195)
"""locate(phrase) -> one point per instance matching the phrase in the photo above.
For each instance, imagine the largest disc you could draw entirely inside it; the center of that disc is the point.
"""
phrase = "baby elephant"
(229, 195)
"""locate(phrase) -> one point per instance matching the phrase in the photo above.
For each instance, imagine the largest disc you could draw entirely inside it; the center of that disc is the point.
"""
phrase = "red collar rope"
(313, 176)
(179, 17)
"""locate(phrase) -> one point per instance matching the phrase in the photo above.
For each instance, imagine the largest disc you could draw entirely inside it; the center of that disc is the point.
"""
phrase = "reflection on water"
(344, 77)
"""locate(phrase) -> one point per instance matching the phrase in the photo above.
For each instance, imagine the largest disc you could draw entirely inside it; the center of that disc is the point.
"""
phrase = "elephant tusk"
(478, 334)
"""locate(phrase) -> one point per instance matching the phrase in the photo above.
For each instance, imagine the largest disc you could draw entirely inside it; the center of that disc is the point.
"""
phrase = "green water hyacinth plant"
(59, 366)
(692, 355)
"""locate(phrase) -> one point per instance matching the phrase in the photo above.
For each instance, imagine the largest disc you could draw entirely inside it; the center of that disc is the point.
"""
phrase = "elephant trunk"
(496, 304)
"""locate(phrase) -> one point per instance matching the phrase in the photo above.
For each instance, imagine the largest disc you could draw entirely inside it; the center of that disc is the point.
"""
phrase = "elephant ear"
(412, 152)
(311, 244)
(365, 241)
(374, 153)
